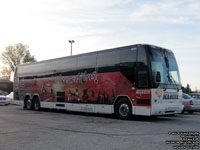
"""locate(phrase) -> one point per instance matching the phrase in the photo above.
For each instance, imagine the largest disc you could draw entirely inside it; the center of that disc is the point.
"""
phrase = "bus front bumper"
(167, 110)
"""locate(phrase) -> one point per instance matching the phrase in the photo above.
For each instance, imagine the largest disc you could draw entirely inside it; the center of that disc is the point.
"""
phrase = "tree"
(187, 89)
(15, 55)
(6, 72)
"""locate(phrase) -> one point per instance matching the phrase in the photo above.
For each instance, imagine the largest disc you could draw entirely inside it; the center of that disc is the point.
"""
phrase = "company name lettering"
(167, 96)
(143, 92)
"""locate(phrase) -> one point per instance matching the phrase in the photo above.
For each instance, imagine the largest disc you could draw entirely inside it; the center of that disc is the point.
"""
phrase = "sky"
(46, 26)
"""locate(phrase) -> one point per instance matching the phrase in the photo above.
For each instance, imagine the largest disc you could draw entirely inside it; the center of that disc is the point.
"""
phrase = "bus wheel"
(123, 109)
(36, 104)
(28, 104)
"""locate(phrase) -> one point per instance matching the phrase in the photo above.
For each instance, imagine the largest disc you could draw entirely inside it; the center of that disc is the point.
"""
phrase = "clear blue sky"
(47, 25)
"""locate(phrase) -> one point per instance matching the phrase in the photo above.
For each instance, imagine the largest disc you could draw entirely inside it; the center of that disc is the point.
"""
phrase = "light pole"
(71, 42)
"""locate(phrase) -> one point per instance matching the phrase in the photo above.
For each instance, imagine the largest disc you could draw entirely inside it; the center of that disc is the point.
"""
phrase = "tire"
(36, 104)
(28, 104)
(123, 109)
(190, 111)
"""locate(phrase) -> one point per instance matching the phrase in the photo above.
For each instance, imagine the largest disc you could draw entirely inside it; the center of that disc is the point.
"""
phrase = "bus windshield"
(163, 61)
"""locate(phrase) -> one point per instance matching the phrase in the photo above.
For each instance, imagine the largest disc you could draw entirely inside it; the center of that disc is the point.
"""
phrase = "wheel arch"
(120, 97)
(36, 95)
(27, 95)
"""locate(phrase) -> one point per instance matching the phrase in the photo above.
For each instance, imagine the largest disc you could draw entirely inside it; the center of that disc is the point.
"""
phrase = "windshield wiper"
(169, 78)
(166, 81)
(173, 81)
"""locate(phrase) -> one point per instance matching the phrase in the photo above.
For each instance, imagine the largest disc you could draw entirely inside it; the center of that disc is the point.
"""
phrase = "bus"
(138, 79)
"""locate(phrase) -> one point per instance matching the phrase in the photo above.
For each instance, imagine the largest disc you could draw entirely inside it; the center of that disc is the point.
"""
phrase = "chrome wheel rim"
(124, 110)
(36, 106)
(28, 104)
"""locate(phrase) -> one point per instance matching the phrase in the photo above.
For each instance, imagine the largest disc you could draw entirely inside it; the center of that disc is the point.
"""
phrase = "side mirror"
(158, 77)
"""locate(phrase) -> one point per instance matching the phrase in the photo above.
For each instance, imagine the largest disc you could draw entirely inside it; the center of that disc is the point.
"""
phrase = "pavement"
(60, 130)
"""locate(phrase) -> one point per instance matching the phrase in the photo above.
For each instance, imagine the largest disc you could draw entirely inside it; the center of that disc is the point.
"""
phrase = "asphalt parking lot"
(58, 130)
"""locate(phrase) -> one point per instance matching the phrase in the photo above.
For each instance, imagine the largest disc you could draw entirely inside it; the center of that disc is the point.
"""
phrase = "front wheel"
(123, 109)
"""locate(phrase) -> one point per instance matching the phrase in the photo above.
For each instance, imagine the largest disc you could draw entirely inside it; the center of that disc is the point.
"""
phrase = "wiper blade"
(173, 81)
(166, 82)
(169, 78)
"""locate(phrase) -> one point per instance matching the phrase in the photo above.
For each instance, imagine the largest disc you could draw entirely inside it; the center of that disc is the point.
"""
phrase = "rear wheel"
(28, 104)
(123, 109)
(36, 104)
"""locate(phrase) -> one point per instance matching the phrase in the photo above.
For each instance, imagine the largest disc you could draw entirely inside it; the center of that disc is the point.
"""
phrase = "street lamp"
(71, 42)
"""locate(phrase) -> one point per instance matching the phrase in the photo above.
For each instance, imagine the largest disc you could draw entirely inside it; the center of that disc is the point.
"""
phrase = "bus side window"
(87, 63)
(127, 63)
(142, 57)
(108, 61)
(67, 66)
(142, 69)
(142, 79)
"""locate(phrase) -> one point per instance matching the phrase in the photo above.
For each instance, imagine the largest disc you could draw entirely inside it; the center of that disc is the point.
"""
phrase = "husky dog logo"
(158, 92)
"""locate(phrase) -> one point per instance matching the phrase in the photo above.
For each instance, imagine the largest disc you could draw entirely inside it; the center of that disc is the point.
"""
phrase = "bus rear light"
(191, 102)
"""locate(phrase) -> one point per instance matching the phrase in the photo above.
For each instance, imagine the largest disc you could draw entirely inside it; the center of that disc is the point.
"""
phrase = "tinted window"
(142, 79)
(41, 68)
(142, 74)
(127, 62)
(86, 61)
(19, 72)
(108, 58)
(108, 61)
(48, 67)
(128, 55)
(142, 58)
(62, 65)
(35, 69)
(31, 69)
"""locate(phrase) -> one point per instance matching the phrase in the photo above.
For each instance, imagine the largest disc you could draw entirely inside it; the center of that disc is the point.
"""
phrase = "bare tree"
(15, 55)
(6, 72)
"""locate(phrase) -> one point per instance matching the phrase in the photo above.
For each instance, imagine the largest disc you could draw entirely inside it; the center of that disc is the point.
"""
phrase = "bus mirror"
(158, 77)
